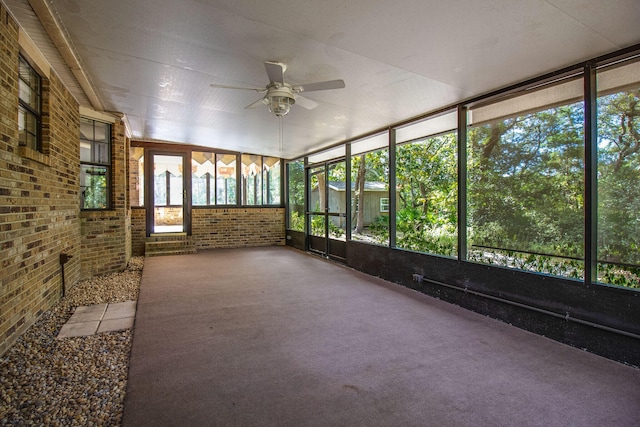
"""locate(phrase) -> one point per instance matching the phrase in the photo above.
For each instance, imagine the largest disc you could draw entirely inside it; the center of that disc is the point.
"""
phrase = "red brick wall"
(106, 235)
(237, 227)
(39, 204)
(138, 230)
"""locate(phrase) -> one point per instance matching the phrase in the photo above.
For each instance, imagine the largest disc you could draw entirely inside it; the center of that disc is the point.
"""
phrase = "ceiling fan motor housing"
(279, 100)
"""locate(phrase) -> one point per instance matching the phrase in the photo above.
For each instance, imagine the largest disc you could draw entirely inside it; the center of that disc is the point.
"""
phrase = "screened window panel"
(426, 174)
(370, 183)
(526, 182)
(295, 205)
(618, 139)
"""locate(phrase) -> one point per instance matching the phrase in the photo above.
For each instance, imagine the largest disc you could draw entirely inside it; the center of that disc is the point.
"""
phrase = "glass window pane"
(175, 189)
(202, 178)
(271, 180)
(27, 129)
(85, 151)
(160, 189)
(22, 123)
(86, 129)
(619, 175)
(96, 152)
(199, 190)
(31, 124)
(29, 86)
(526, 183)
(252, 179)
(136, 176)
(251, 190)
(101, 153)
(226, 179)
(226, 191)
(101, 132)
(31, 141)
(93, 187)
(25, 92)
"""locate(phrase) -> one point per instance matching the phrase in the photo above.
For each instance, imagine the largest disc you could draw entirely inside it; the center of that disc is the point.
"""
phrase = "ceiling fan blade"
(257, 89)
(329, 84)
(275, 71)
(305, 102)
(256, 104)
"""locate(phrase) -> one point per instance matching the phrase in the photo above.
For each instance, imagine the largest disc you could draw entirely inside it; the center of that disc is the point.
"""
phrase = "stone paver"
(120, 310)
(88, 313)
(99, 318)
(111, 325)
(81, 329)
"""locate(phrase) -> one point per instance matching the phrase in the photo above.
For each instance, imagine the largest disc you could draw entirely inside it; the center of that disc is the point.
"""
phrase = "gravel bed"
(73, 381)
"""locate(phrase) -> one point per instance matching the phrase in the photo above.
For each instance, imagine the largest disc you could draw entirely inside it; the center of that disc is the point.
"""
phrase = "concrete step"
(169, 244)
(163, 237)
(170, 252)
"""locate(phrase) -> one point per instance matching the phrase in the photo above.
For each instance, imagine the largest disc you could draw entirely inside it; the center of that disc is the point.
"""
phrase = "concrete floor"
(273, 336)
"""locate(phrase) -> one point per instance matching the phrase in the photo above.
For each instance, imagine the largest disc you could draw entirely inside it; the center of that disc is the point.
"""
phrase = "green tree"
(295, 203)
(426, 173)
(526, 182)
(619, 176)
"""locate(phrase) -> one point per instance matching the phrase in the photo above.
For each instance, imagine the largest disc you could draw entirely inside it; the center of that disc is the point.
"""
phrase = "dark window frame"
(27, 108)
(107, 165)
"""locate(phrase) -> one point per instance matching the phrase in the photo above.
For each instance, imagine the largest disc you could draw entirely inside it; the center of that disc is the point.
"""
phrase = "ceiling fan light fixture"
(280, 105)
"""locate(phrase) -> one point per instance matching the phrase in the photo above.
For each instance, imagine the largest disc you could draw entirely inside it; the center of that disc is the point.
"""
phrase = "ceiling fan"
(280, 96)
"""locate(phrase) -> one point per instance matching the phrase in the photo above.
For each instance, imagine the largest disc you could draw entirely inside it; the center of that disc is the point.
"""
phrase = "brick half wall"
(237, 227)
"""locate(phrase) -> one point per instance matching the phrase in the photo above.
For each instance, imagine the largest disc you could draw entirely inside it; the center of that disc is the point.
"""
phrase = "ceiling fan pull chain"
(281, 142)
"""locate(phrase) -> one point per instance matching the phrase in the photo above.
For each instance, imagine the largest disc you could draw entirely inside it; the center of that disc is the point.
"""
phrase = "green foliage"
(295, 205)
(525, 191)
(526, 186)
(526, 182)
(317, 226)
(296, 221)
(94, 189)
(530, 262)
(379, 227)
(296, 182)
(618, 177)
(620, 276)
(416, 232)
(335, 231)
(427, 183)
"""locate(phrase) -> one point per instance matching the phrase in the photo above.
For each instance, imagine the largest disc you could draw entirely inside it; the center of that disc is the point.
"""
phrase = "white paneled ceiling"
(154, 60)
